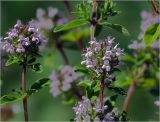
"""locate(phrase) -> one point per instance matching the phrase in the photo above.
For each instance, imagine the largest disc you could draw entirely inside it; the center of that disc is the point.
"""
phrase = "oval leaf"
(151, 33)
(117, 27)
(70, 25)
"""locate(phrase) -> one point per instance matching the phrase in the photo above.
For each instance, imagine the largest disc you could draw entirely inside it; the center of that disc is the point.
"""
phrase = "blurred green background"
(42, 106)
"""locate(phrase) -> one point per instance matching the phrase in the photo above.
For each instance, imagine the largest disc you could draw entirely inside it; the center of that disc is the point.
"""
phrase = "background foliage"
(42, 106)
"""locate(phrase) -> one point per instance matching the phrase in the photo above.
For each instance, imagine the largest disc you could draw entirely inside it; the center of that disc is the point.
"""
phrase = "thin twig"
(24, 91)
(133, 87)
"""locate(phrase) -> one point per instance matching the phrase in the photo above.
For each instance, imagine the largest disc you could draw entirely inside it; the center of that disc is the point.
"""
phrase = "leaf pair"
(16, 96)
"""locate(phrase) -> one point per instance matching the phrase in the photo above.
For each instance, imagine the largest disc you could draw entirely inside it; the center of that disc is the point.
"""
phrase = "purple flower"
(19, 38)
(62, 80)
(100, 55)
(20, 49)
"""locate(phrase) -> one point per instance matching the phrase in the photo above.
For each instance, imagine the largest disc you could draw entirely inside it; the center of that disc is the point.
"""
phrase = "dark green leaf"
(118, 90)
(151, 33)
(70, 25)
(81, 68)
(110, 103)
(40, 83)
(36, 67)
(32, 60)
(117, 27)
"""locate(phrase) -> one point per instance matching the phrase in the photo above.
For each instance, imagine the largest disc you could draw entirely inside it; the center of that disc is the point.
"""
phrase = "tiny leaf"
(36, 67)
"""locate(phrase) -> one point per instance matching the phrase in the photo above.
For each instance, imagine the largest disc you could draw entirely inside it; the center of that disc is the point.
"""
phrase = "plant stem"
(64, 56)
(93, 20)
(101, 95)
(69, 10)
(24, 91)
(133, 87)
(155, 7)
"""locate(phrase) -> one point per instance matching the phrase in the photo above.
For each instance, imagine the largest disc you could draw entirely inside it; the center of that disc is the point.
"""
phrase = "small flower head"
(87, 111)
(19, 39)
(102, 56)
(48, 19)
(62, 79)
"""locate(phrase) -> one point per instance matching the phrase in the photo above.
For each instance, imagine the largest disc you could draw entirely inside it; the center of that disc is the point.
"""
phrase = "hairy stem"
(93, 20)
(132, 88)
(24, 91)
(69, 10)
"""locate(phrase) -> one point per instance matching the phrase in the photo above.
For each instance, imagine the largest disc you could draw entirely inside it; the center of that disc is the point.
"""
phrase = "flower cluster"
(47, 20)
(102, 56)
(22, 39)
(147, 19)
(61, 80)
(88, 111)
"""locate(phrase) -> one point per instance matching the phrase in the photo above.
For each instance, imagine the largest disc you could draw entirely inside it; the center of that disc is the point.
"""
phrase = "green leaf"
(123, 79)
(110, 103)
(151, 33)
(81, 68)
(11, 98)
(36, 67)
(12, 60)
(32, 60)
(85, 83)
(70, 25)
(119, 28)
(40, 84)
(118, 90)
(76, 35)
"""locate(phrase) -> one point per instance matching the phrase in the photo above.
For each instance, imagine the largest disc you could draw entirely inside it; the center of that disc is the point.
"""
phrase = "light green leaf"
(75, 35)
(151, 33)
(12, 60)
(11, 98)
(70, 25)
(117, 27)
(85, 83)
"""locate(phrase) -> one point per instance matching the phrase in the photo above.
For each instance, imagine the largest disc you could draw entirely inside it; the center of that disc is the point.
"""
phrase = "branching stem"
(132, 88)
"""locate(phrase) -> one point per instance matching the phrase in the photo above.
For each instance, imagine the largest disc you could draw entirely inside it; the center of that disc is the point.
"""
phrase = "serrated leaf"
(151, 33)
(70, 25)
(119, 28)
(36, 67)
